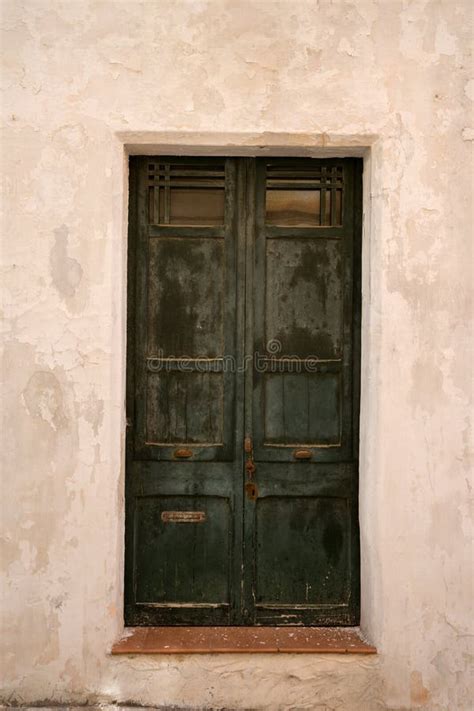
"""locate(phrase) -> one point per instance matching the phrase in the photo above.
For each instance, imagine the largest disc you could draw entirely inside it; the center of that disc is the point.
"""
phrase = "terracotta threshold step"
(211, 640)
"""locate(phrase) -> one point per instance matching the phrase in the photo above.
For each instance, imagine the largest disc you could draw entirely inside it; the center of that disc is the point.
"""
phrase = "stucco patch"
(37, 632)
(419, 694)
(66, 272)
(427, 381)
(94, 412)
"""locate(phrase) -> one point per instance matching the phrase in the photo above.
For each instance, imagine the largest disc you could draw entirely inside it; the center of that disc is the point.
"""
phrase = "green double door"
(243, 391)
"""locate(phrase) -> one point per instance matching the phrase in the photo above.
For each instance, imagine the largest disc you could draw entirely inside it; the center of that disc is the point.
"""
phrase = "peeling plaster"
(43, 399)
(85, 83)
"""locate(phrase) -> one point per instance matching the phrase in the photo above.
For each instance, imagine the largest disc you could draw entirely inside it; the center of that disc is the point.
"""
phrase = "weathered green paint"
(274, 534)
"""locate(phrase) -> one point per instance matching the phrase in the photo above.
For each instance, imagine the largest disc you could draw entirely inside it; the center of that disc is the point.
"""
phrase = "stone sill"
(220, 640)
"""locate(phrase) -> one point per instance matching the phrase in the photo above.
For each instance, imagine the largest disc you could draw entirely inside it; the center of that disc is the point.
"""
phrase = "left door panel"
(183, 465)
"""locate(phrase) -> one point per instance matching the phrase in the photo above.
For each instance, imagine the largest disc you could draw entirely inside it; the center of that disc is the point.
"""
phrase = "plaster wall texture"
(86, 82)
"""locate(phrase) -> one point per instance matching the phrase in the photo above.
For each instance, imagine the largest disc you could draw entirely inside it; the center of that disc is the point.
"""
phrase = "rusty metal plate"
(251, 490)
(183, 516)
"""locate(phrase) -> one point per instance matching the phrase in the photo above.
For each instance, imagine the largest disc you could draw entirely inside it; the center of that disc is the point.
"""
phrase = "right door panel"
(301, 521)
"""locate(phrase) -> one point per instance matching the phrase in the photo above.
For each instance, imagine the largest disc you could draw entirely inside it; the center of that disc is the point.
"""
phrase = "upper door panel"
(303, 310)
(186, 290)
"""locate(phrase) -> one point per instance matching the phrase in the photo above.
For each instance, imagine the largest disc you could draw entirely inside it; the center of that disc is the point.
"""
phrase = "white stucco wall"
(385, 78)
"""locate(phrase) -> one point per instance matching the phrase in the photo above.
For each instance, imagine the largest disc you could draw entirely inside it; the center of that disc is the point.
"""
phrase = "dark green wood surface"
(234, 261)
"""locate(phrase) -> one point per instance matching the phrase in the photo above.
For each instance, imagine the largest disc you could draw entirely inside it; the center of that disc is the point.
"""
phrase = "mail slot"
(183, 516)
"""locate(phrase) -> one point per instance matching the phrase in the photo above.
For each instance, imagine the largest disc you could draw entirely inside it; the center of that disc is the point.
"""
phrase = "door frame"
(203, 145)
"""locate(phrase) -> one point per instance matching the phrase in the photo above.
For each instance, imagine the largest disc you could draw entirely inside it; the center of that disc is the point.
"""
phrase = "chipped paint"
(386, 79)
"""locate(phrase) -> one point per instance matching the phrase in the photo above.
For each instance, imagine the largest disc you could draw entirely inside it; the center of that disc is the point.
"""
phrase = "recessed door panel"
(183, 546)
(304, 297)
(303, 556)
(303, 409)
(186, 297)
(185, 408)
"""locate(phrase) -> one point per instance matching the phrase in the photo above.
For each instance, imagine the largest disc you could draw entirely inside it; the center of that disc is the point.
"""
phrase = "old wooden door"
(243, 391)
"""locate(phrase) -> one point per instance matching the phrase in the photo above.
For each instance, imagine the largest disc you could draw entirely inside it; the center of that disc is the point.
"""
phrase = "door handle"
(182, 453)
(303, 454)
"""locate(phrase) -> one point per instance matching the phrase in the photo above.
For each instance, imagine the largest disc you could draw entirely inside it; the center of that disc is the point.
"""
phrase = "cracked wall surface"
(84, 82)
